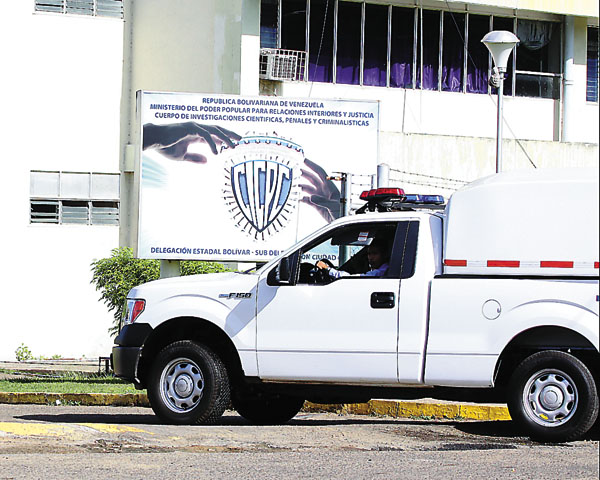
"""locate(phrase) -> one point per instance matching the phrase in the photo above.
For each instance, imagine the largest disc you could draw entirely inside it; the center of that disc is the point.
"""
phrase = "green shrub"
(115, 276)
(22, 353)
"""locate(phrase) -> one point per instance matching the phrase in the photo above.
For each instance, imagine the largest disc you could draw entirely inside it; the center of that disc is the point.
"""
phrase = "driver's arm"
(333, 273)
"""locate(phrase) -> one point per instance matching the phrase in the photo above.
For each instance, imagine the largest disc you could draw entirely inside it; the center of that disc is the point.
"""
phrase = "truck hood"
(227, 300)
(205, 285)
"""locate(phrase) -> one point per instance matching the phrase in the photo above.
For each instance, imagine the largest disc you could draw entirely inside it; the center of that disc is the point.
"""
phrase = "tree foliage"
(116, 275)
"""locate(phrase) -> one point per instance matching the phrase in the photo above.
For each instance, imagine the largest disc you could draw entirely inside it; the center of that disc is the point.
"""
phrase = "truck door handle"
(383, 300)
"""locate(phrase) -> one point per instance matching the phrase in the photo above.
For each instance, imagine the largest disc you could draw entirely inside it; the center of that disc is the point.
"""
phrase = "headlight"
(133, 309)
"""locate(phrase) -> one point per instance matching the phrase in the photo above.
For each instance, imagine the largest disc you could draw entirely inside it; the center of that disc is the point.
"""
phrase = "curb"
(410, 409)
(85, 399)
(385, 408)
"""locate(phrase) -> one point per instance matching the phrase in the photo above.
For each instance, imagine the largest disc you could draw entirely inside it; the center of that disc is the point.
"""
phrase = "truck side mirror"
(282, 274)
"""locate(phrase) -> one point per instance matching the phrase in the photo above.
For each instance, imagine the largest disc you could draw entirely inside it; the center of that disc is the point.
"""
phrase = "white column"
(383, 175)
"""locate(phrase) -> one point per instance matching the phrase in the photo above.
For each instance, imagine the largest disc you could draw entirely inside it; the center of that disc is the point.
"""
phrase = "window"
(268, 24)
(376, 45)
(293, 25)
(74, 198)
(592, 64)
(349, 41)
(320, 49)
(478, 64)
(360, 43)
(346, 249)
(402, 55)
(428, 48)
(98, 8)
(453, 51)
(538, 59)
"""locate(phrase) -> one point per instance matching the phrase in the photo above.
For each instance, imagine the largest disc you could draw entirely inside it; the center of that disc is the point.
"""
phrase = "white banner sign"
(232, 178)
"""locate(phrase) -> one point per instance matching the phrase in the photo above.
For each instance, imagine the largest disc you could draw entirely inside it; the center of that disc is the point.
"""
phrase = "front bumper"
(127, 350)
(125, 362)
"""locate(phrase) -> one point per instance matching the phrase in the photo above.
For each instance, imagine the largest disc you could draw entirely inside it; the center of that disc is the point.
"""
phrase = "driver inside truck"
(378, 254)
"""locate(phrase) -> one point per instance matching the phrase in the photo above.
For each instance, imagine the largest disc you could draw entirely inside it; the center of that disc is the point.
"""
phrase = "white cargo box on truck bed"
(536, 222)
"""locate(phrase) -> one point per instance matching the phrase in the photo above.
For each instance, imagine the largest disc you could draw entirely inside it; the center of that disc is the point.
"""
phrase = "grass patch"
(68, 382)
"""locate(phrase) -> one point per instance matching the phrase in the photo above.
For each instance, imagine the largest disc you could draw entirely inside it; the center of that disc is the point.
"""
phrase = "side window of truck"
(346, 249)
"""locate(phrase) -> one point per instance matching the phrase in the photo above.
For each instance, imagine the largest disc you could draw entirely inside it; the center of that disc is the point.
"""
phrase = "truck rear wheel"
(265, 408)
(553, 397)
(188, 384)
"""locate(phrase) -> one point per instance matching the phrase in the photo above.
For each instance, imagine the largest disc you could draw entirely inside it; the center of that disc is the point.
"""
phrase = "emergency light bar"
(381, 193)
(390, 199)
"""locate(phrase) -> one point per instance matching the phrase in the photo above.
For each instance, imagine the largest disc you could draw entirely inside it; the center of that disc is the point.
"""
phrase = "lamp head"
(500, 43)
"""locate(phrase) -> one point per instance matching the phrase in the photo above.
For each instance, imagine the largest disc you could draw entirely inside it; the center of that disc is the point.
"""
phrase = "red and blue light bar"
(398, 194)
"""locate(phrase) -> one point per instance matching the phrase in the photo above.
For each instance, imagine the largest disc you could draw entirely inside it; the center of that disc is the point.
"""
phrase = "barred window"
(98, 8)
(592, 64)
(379, 44)
(74, 198)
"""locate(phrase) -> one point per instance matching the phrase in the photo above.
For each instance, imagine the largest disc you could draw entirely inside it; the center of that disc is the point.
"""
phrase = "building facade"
(61, 87)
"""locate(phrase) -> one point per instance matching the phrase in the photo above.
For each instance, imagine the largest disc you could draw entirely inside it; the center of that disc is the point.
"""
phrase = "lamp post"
(500, 43)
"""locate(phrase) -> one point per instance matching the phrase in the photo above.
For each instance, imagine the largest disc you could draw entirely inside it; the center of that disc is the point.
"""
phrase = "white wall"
(444, 113)
(61, 87)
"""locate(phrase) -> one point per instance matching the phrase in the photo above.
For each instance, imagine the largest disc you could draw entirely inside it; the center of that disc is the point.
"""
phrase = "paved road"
(112, 442)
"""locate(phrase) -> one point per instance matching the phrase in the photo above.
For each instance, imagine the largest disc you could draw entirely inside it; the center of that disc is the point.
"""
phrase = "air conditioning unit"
(278, 66)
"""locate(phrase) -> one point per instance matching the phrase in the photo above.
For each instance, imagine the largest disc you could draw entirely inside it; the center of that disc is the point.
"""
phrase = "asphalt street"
(38, 441)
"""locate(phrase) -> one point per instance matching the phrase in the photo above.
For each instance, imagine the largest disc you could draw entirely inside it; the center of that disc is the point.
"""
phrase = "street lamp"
(500, 43)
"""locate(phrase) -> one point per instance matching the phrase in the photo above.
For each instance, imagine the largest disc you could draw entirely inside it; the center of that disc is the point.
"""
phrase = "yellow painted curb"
(388, 408)
(100, 399)
(408, 409)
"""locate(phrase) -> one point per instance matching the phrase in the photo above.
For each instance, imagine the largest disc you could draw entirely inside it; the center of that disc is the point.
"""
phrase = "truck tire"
(552, 396)
(266, 409)
(188, 384)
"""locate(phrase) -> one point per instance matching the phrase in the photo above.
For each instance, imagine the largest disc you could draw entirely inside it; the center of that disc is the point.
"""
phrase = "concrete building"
(73, 68)
(61, 87)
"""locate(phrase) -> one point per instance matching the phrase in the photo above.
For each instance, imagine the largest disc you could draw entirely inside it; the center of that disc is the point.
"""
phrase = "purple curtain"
(477, 63)
(348, 43)
(320, 62)
(431, 42)
(402, 47)
(376, 29)
(453, 52)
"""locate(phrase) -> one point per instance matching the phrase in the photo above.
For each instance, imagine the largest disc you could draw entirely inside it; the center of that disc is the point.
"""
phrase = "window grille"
(379, 44)
(278, 64)
(74, 198)
(592, 65)
(98, 8)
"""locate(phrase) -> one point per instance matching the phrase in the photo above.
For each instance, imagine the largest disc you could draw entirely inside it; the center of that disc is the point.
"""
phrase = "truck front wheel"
(553, 397)
(188, 384)
(263, 408)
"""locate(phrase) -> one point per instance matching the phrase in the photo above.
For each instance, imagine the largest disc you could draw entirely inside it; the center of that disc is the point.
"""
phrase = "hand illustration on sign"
(321, 193)
(173, 141)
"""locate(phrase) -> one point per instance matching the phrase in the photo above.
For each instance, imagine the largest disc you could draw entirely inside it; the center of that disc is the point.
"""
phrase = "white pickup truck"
(497, 290)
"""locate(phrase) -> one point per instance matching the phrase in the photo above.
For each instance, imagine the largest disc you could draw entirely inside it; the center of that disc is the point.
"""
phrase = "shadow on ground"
(505, 430)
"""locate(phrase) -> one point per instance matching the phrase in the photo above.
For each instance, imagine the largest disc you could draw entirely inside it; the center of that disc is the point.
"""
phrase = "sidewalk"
(423, 408)
(60, 365)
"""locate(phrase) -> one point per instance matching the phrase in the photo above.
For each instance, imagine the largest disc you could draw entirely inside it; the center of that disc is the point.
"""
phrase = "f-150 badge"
(236, 295)
(261, 184)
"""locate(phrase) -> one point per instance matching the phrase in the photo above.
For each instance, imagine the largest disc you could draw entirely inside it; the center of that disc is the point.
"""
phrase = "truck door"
(342, 330)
